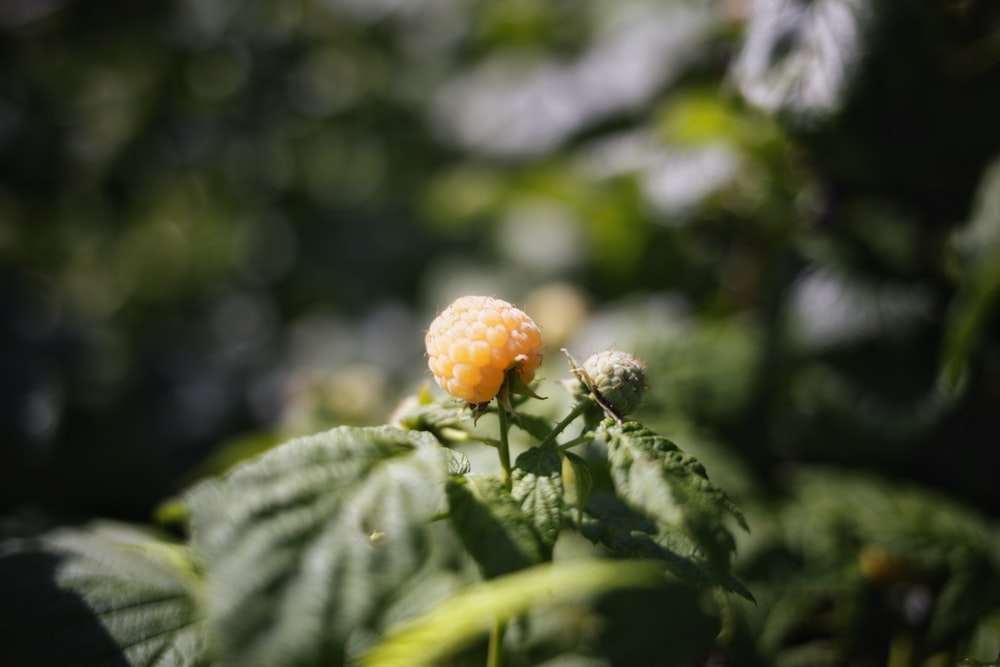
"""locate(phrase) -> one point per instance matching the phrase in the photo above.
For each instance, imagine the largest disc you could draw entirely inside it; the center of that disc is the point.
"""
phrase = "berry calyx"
(475, 341)
(617, 379)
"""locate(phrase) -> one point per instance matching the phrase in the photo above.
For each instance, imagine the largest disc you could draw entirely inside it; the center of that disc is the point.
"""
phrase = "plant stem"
(586, 437)
(495, 656)
(503, 446)
(577, 410)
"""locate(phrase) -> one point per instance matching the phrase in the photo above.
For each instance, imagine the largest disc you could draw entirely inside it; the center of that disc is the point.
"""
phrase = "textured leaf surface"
(105, 594)
(423, 413)
(498, 534)
(468, 614)
(538, 487)
(303, 546)
(800, 56)
(654, 477)
(630, 534)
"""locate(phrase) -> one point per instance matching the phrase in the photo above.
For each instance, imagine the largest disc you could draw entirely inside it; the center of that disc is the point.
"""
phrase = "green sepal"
(518, 387)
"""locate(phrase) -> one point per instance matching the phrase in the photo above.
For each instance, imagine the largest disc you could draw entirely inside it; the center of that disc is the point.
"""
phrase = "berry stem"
(577, 410)
(503, 448)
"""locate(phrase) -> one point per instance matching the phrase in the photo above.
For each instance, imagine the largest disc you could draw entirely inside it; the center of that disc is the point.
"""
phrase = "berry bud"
(474, 342)
(618, 380)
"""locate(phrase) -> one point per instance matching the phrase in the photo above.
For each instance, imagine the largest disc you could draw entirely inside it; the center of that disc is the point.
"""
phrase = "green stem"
(503, 446)
(586, 437)
(495, 656)
(577, 410)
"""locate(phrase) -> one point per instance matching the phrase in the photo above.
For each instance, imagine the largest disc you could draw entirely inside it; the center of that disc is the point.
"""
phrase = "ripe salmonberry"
(475, 341)
(618, 379)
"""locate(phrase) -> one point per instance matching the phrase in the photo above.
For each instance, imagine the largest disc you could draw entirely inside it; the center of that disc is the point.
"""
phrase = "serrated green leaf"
(670, 487)
(498, 534)
(101, 594)
(303, 546)
(583, 482)
(800, 57)
(463, 617)
(458, 463)
(538, 487)
(630, 534)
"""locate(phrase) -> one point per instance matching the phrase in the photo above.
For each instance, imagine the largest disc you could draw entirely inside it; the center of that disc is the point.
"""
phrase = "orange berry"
(475, 341)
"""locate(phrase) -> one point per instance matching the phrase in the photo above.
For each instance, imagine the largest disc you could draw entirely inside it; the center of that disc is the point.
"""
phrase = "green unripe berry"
(617, 379)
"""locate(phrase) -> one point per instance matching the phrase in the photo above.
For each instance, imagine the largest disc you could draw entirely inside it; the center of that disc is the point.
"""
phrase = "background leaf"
(799, 57)
(917, 561)
(538, 487)
(104, 594)
(978, 250)
(303, 546)
(498, 534)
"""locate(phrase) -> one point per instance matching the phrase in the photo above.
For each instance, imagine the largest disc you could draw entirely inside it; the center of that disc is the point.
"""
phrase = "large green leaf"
(304, 546)
(499, 535)
(800, 57)
(466, 615)
(538, 487)
(103, 594)
(653, 476)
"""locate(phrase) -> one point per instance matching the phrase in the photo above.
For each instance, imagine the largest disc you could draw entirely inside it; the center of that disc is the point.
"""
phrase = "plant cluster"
(381, 545)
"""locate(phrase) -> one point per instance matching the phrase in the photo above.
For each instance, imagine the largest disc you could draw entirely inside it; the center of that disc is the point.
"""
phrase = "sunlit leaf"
(303, 546)
(500, 536)
(800, 57)
(101, 594)
(468, 614)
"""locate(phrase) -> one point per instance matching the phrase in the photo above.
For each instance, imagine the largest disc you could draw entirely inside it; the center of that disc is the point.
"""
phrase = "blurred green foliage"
(226, 223)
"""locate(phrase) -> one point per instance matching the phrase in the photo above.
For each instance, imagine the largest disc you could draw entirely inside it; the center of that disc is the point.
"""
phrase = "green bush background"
(223, 224)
